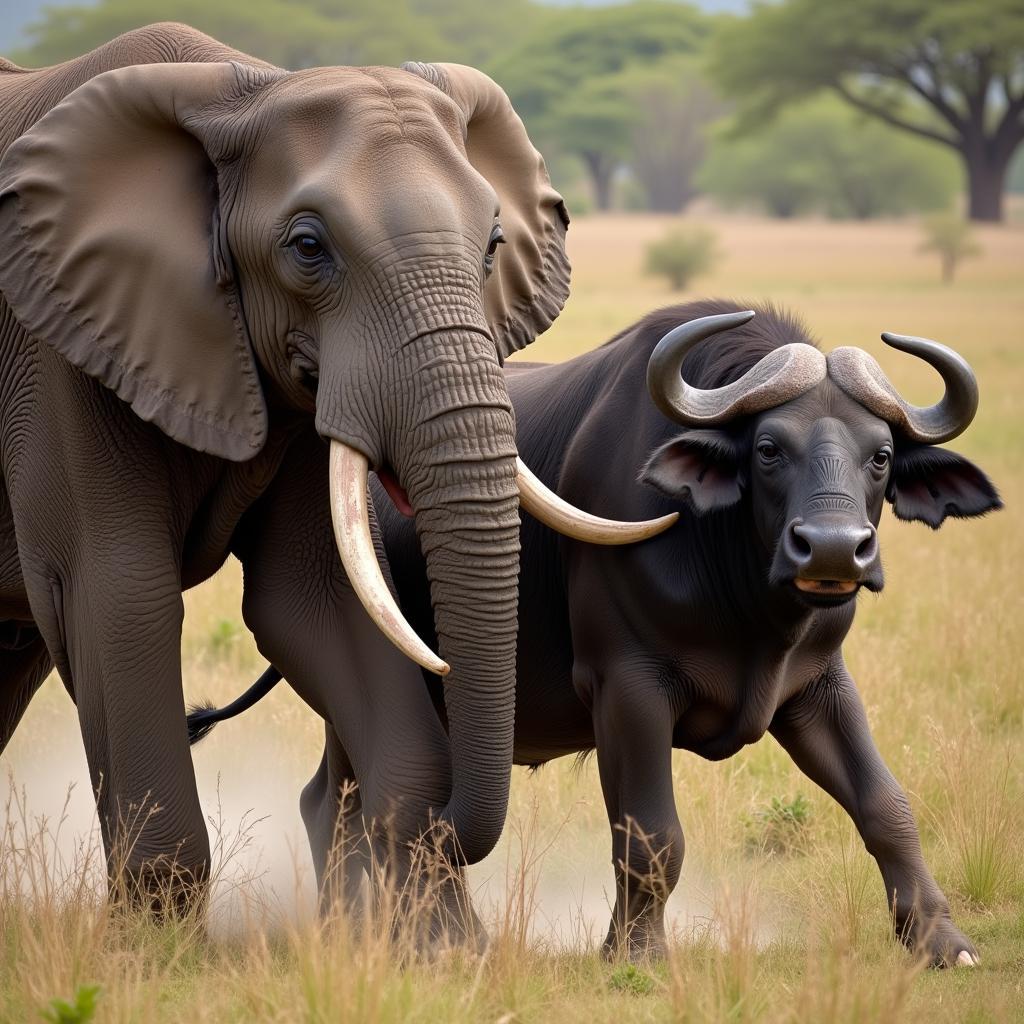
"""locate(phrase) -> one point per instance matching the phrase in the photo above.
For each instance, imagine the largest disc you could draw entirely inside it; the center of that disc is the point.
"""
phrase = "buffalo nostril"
(868, 547)
(800, 547)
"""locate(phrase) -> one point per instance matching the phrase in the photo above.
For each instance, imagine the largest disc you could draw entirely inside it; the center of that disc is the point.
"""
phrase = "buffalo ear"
(701, 468)
(109, 211)
(928, 484)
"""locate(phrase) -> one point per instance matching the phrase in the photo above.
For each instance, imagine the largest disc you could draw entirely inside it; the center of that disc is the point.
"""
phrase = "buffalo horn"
(860, 376)
(780, 375)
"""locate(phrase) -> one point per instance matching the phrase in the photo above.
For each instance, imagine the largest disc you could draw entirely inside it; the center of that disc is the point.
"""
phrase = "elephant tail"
(201, 718)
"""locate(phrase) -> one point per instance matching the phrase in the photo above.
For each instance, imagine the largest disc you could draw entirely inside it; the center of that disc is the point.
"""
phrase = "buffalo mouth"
(826, 593)
(832, 588)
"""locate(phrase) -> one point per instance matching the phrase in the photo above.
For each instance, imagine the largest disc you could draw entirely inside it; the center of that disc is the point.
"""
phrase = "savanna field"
(780, 914)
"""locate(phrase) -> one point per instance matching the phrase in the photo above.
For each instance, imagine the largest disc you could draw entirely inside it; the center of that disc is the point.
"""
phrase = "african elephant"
(203, 259)
(730, 624)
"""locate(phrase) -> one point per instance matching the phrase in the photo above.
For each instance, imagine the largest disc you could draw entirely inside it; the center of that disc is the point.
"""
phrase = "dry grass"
(796, 935)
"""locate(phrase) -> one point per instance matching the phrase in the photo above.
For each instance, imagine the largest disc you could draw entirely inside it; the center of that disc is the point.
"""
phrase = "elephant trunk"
(473, 568)
(460, 476)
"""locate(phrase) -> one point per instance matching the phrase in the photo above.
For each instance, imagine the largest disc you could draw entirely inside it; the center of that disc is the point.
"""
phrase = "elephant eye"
(768, 451)
(308, 248)
(497, 238)
(881, 458)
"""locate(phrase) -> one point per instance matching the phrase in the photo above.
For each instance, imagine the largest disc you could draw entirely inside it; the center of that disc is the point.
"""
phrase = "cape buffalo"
(730, 624)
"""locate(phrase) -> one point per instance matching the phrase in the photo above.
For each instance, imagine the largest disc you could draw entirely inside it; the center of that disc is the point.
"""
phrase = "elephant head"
(220, 242)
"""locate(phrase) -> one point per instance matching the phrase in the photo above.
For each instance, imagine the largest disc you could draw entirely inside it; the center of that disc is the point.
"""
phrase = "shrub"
(782, 826)
(681, 255)
(224, 636)
(950, 236)
(629, 978)
(81, 1011)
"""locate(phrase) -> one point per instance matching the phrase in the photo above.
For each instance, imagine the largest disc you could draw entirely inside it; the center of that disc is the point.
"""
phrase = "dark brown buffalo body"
(701, 638)
(201, 259)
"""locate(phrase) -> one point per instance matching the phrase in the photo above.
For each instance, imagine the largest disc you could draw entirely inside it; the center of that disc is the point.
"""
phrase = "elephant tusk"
(553, 511)
(350, 516)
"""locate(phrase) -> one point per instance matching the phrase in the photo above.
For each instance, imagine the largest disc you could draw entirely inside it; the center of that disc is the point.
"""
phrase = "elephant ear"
(530, 280)
(108, 251)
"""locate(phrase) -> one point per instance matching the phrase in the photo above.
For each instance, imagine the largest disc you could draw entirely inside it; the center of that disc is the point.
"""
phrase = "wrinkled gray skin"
(698, 639)
(376, 331)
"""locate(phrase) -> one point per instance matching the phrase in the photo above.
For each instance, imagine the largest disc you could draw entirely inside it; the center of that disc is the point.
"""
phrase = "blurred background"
(850, 111)
(859, 163)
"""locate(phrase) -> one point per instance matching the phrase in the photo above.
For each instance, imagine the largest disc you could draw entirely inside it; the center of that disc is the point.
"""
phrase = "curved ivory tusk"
(350, 516)
(553, 511)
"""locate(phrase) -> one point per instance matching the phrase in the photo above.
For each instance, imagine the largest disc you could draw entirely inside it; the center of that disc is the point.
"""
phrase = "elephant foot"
(427, 903)
(942, 943)
(162, 890)
(640, 941)
(441, 923)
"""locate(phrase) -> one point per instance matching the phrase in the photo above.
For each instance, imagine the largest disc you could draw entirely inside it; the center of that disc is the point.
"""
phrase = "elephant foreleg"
(115, 634)
(826, 732)
(332, 813)
(130, 707)
(24, 661)
(309, 623)
(24, 664)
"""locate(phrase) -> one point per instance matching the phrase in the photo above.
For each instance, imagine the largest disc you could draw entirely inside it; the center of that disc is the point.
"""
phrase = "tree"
(558, 77)
(770, 170)
(592, 123)
(821, 155)
(289, 33)
(473, 32)
(951, 72)
(670, 108)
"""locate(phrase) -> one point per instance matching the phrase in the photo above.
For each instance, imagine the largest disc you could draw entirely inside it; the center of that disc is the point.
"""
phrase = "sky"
(14, 15)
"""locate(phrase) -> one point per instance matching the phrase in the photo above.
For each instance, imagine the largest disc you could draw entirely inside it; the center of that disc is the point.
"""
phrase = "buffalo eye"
(497, 238)
(769, 452)
(881, 459)
(308, 248)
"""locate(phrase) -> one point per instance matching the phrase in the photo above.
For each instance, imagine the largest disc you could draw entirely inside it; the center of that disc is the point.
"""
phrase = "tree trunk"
(986, 183)
(601, 170)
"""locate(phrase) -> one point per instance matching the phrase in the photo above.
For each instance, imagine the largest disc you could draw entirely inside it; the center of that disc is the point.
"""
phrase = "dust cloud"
(250, 774)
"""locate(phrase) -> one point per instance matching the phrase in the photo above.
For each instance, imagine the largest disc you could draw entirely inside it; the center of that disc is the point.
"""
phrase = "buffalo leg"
(826, 732)
(633, 728)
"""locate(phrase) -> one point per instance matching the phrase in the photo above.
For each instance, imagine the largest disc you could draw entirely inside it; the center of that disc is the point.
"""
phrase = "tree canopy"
(620, 98)
(299, 33)
(950, 72)
(820, 156)
(565, 78)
